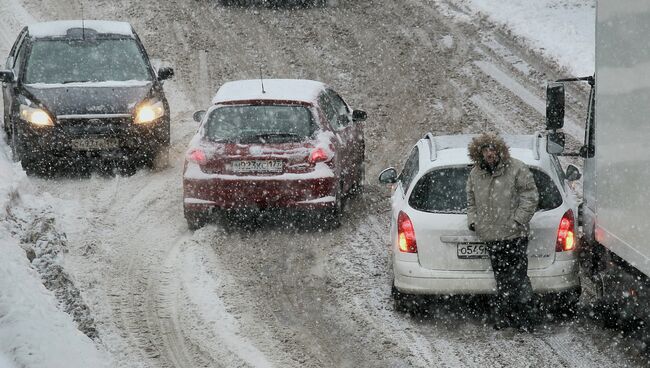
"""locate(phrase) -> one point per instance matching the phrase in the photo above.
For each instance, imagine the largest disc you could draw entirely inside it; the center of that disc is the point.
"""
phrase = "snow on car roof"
(452, 149)
(462, 140)
(274, 89)
(61, 27)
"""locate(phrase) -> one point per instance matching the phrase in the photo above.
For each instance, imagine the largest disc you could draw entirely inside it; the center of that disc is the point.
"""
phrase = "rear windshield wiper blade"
(76, 81)
(264, 136)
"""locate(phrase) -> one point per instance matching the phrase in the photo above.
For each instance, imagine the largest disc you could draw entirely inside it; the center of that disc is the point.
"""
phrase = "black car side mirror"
(388, 176)
(6, 76)
(359, 115)
(198, 115)
(572, 173)
(165, 73)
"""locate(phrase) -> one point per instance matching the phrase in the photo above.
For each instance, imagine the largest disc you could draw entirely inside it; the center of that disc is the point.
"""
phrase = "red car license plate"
(256, 166)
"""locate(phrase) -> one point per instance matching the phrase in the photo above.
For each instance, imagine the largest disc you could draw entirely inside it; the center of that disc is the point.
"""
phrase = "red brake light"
(197, 156)
(318, 155)
(565, 233)
(406, 234)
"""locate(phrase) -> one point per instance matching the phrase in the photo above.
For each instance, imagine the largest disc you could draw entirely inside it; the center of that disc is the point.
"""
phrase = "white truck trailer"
(616, 182)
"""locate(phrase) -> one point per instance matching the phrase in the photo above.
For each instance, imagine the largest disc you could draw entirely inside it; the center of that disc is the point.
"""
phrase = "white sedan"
(434, 253)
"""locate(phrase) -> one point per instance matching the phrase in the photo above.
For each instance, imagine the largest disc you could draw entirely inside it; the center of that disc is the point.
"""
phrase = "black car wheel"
(360, 178)
(405, 303)
(32, 164)
(196, 220)
(332, 216)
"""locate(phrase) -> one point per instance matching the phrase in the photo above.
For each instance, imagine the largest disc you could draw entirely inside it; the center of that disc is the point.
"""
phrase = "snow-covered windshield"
(97, 60)
(260, 122)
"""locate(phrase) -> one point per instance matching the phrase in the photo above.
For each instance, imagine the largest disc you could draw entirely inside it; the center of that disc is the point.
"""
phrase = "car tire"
(357, 187)
(404, 303)
(34, 165)
(196, 220)
(160, 159)
(332, 216)
(565, 304)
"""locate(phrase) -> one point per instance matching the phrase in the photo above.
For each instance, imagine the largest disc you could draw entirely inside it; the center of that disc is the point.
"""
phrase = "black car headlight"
(149, 111)
(35, 116)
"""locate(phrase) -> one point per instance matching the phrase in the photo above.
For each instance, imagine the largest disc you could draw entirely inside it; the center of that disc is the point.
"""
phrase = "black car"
(83, 89)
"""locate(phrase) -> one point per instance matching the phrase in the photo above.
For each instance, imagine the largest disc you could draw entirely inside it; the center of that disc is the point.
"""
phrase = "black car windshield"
(260, 123)
(96, 60)
(443, 191)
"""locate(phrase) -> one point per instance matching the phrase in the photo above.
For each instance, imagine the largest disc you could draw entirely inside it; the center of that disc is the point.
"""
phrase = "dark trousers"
(514, 299)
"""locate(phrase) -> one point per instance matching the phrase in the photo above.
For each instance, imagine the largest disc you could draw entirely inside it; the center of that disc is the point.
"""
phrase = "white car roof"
(61, 27)
(452, 149)
(300, 90)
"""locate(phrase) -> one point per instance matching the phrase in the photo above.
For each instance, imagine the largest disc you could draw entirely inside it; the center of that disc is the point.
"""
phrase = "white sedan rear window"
(443, 191)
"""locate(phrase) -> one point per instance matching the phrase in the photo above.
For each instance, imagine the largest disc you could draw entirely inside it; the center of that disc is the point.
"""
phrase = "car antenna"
(83, 26)
(262, 80)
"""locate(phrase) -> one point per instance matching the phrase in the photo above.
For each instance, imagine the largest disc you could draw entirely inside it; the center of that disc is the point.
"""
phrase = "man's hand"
(472, 227)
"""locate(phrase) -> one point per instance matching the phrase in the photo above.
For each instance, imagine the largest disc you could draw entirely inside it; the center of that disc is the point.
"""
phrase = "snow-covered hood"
(90, 98)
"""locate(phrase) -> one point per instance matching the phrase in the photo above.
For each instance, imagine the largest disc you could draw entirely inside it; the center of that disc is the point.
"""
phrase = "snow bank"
(33, 331)
(563, 30)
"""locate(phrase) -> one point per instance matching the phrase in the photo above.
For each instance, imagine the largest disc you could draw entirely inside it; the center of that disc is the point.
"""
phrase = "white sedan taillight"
(406, 234)
(566, 233)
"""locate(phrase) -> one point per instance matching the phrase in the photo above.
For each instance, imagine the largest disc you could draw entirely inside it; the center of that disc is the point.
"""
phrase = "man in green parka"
(502, 199)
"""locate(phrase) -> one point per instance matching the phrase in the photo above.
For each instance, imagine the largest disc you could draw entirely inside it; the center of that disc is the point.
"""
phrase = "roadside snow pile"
(34, 332)
(563, 30)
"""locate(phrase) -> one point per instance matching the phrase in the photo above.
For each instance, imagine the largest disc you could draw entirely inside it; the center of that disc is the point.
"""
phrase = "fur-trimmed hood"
(483, 140)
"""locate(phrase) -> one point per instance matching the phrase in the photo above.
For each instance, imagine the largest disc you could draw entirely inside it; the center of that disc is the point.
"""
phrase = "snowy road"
(162, 296)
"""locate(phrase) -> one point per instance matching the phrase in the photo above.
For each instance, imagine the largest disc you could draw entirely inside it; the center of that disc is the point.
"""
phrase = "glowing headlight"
(148, 112)
(35, 116)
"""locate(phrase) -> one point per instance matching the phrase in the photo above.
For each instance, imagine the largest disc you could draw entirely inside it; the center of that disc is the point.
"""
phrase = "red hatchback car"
(278, 143)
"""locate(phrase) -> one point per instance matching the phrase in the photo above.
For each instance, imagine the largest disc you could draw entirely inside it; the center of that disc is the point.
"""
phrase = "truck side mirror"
(6, 76)
(388, 176)
(555, 143)
(572, 173)
(554, 106)
(198, 115)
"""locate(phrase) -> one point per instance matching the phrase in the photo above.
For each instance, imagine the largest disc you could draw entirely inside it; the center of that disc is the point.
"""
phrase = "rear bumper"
(289, 191)
(410, 278)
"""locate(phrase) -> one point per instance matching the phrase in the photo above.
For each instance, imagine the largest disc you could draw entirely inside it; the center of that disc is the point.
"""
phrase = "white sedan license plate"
(472, 250)
(257, 166)
(94, 144)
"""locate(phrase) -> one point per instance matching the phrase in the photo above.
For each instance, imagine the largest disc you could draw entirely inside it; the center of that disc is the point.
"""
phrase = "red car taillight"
(565, 233)
(318, 155)
(406, 234)
(197, 156)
